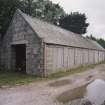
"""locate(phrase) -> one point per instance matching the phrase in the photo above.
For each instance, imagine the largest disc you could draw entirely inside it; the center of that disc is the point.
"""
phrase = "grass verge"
(8, 78)
(73, 71)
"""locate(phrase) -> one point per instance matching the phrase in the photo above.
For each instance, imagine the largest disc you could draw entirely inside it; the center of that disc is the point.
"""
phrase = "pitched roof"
(56, 35)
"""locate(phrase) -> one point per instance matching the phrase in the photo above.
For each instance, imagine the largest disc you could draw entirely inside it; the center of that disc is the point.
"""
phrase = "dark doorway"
(20, 55)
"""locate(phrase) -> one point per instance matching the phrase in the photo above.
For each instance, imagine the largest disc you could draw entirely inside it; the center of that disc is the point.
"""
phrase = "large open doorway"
(20, 57)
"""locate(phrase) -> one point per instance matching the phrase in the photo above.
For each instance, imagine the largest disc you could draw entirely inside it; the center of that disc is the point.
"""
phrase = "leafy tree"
(27, 6)
(91, 37)
(75, 22)
(47, 10)
(43, 9)
(7, 9)
(100, 40)
(52, 12)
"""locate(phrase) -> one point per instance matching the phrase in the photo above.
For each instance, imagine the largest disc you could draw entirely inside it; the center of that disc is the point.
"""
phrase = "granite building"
(40, 48)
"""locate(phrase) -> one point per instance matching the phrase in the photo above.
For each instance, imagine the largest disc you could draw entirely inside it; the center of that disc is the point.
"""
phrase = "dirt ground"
(45, 93)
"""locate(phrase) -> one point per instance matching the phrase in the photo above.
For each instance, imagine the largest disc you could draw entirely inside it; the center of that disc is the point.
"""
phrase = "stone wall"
(42, 59)
(59, 58)
(20, 32)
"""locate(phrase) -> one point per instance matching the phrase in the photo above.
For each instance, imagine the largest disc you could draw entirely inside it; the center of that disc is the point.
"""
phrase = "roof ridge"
(46, 22)
(50, 33)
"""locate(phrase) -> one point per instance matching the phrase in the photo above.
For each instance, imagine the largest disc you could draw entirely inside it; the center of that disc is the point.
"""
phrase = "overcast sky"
(94, 10)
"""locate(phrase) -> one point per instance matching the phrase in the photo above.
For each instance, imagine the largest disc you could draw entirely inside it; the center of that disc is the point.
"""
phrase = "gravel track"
(41, 93)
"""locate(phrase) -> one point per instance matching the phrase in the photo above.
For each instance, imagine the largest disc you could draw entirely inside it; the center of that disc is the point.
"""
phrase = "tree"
(47, 11)
(75, 22)
(91, 37)
(27, 6)
(43, 9)
(52, 12)
(100, 40)
(7, 9)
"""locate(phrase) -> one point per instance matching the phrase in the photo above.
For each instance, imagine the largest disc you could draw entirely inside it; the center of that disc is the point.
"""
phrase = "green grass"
(14, 78)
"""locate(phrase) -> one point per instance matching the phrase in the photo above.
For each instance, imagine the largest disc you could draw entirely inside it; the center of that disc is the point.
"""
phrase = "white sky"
(94, 10)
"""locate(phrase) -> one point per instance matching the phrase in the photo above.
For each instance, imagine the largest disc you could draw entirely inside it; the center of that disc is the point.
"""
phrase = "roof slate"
(55, 35)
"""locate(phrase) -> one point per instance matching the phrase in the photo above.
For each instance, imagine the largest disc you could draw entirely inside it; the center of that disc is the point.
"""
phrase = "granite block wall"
(64, 58)
(20, 32)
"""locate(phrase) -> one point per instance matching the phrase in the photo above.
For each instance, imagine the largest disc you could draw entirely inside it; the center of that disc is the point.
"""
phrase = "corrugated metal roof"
(56, 35)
